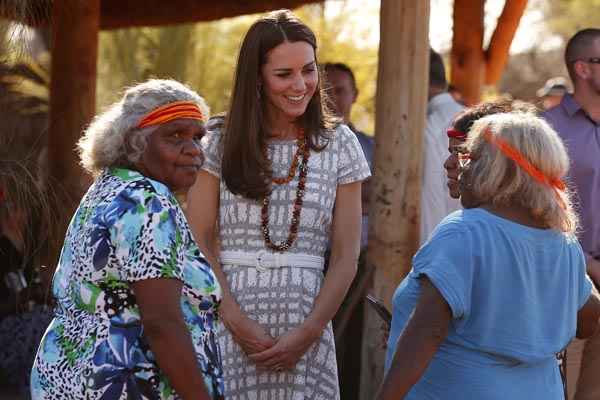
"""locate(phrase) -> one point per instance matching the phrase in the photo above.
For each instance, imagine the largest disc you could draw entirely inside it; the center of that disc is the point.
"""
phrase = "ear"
(582, 70)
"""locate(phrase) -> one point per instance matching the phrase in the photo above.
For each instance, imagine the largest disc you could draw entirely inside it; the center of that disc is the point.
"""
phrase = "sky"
(365, 16)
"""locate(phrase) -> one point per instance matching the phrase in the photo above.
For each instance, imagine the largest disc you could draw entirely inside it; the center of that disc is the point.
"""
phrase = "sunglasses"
(592, 60)
(462, 156)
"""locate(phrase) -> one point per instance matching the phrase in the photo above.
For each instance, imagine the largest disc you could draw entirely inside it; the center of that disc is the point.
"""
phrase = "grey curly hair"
(112, 138)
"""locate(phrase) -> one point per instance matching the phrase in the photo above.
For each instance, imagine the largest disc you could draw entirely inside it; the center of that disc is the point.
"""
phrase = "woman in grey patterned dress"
(282, 179)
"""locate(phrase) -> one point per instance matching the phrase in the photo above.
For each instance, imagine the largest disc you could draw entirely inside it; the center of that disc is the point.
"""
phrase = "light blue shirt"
(514, 293)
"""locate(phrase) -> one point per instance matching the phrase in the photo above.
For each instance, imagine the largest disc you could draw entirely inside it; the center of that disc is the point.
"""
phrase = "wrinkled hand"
(248, 333)
(288, 349)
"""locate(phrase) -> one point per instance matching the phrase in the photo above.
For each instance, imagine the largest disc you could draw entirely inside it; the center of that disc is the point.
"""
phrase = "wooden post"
(402, 83)
(497, 52)
(75, 26)
(471, 65)
(467, 59)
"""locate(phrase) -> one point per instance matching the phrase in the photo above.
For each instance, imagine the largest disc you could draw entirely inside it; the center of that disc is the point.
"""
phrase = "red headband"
(456, 134)
(171, 111)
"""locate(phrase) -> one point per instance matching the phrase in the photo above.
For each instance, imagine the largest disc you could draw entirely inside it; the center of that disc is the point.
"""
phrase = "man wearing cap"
(577, 120)
(553, 91)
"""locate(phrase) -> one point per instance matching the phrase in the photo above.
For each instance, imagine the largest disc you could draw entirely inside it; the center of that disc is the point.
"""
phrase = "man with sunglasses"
(577, 120)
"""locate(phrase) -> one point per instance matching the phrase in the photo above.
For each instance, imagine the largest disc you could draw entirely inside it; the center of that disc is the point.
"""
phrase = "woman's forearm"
(172, 345)
(420, 340)
(416, 347)
(340, 274)
(345, 249)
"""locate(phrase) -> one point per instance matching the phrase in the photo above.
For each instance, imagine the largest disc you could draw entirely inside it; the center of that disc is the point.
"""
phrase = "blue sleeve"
(146, 235)
(447, 261)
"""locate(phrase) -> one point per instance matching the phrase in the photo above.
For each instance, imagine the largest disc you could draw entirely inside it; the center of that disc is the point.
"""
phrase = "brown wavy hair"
(245, 169)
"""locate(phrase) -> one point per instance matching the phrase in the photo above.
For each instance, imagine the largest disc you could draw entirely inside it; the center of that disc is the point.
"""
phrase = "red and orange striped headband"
(515, 155)
(171, 111)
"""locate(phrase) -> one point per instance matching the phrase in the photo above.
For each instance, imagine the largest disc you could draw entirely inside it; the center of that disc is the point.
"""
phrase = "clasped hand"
(274, 354)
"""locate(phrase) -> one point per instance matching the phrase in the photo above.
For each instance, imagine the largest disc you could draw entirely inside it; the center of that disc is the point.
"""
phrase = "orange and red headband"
(171, 111)
(515, 155)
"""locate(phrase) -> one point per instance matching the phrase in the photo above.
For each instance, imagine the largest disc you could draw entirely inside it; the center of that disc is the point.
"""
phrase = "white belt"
(263, 260)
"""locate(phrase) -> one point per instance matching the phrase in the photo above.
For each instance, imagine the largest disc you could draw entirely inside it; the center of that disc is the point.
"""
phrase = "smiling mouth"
(295, 99)
(191, 167)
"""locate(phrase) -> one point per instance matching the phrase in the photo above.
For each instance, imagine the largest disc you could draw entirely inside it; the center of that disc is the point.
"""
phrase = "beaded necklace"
(303, 152)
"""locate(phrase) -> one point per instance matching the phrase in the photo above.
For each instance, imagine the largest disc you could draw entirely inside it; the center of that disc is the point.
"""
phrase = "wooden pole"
(497, 52)
(402, 83)
(74, 48)
(471, 65)
(467, 59)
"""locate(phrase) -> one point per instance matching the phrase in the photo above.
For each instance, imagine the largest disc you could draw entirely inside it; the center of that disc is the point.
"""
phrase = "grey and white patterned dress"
(281, 298)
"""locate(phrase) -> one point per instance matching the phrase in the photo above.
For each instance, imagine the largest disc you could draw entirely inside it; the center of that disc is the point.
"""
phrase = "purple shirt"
(581, 136)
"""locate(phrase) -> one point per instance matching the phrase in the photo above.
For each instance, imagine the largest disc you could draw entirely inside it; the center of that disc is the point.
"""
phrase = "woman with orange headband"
(500, 287)
(136, 299)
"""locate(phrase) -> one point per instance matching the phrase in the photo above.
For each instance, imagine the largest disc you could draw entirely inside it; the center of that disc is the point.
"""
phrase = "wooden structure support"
(119, 13)
(74, 49)
(115, 14)
(471, 65)
(402, 83)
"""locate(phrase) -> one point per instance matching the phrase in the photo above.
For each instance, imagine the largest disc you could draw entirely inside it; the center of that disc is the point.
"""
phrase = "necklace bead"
(303, 153)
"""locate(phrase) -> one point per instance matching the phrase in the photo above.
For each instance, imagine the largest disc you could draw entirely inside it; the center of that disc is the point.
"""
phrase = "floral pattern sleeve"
(352, 163)
(147, 239)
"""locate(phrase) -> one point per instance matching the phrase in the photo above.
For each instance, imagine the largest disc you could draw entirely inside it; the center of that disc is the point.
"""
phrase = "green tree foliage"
(565, 17)
(204, 55)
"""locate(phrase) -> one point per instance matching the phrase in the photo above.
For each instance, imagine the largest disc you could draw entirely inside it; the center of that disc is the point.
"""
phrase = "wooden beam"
(402, 83)
(117, 14)
(121, 14)
(497, 52)
(467, 59)
(72, 92)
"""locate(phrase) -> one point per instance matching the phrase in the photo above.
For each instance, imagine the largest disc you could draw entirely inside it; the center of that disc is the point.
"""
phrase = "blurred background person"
(552, 92)
(340, 86)
(24, 313)
(441, 110)
(577, 121)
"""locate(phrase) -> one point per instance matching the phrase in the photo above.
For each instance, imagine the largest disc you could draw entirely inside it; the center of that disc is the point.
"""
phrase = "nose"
(451, 162)
(192, 148)
(299, 84)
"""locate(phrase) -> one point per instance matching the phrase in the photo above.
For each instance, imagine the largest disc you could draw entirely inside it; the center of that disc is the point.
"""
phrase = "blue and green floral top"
(127, 228)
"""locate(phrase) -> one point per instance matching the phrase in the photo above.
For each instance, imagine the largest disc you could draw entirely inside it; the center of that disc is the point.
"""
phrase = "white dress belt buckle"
(266, 260)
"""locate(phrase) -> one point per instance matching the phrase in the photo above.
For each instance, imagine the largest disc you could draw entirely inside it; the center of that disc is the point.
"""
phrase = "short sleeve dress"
(127, 228)
(281, 298)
